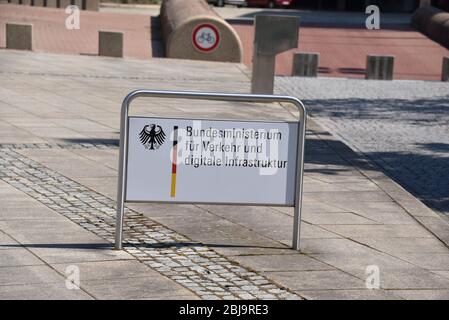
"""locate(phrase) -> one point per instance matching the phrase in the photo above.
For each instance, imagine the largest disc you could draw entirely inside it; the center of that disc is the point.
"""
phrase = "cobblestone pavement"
(198, 268)
(402, 125)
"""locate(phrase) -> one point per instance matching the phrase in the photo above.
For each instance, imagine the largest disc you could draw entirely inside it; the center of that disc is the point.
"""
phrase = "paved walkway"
(58, 160)
(141, 33)
(402, 125)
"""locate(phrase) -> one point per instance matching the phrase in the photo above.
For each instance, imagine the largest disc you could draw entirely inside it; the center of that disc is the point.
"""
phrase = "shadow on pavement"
(103, 246)
(94, 141)
(421, 168)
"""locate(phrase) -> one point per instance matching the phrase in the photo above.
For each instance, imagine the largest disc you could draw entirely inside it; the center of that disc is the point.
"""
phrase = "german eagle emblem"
(152, 136)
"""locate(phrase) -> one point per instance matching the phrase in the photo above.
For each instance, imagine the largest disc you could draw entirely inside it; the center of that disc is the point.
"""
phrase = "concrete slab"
(136, 288)
(430, 261)
(380, 231)
(422, 294)
(52, 291)
(349, 295)
(405, 245)
(317, 280)
(7, 242)
(413, 279)
(27, 275)
(285, 262)
(110, 270)
(18, 257)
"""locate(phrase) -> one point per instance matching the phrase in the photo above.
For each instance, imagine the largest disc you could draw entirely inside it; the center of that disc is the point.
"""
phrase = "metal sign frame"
(255, 98)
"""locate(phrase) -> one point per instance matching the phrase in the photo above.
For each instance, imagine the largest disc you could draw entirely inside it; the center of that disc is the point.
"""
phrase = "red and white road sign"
(205, 37)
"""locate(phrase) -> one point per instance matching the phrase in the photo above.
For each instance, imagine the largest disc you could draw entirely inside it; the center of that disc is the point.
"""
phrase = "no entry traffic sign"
(205, 37)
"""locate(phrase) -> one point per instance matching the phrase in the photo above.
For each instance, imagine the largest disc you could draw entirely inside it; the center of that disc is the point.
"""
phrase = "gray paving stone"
(95, 213)
(317, 280)
(405, 245)
(135, 288)
(336, 218)
(366, 294)
(422, 294)
(18, 257)
(430, 261)
(31, 213)
(334, 246)
(380, 231)
(414, 278)
(45, 291)
(293, 262)
(102, 270)
(7, 242)
(27, 275)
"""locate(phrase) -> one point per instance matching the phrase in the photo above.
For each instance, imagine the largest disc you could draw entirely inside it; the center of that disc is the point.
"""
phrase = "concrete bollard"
(64, 3)
(38, 3)
(79, 4)
(19, 36)
(379, 67)
(110, 44)
(192, 30)
(305, 64)
(52, 3)
(445, 72)
(273, 35)
(92, 5)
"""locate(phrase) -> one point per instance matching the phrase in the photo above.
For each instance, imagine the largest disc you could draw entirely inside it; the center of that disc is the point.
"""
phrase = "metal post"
(273, 35)
(123, 158)
(379, 67)
(305, 64)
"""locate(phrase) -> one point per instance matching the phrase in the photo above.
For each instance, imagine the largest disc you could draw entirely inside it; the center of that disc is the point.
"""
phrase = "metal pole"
(123, 158)
(299, 178)
(122, 171)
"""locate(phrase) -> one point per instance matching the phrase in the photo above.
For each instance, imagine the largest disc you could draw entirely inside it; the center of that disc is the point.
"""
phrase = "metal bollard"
(305, 64)
(273, 35)
(379, 67)
(110, 44)
(19, 36)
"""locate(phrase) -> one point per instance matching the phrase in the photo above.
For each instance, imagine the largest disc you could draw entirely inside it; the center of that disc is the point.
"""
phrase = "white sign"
(211, 161)
(205, 37)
